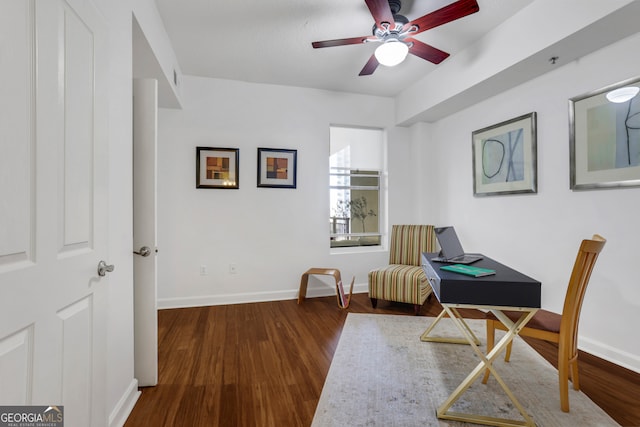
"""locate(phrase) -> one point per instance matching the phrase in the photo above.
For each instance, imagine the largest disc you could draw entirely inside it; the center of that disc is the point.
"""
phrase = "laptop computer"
(451, 249)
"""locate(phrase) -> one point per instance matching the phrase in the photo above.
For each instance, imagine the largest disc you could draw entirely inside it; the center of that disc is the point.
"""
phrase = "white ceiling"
(269, 41)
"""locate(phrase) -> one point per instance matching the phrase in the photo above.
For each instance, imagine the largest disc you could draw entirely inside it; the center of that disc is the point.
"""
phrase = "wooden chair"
(561, 329)
(403, 280)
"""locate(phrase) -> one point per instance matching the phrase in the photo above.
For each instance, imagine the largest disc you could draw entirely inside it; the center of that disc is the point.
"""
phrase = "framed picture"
(505, 157)
(604, 138)
(217, 167)
(277, 168)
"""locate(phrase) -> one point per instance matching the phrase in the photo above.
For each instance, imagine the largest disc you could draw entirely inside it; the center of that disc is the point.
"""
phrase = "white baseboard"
(125, 405)
(611, 354)
(206, 300)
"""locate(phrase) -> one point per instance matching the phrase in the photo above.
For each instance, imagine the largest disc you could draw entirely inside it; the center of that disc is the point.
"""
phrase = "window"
(354, 187)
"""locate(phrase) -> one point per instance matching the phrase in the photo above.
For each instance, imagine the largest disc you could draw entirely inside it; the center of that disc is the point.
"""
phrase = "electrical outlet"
(233, 269)
(203, 270)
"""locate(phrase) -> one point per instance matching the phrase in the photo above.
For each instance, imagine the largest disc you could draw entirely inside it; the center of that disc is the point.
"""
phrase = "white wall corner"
(125, 405)
(154, 56)
(424, 169)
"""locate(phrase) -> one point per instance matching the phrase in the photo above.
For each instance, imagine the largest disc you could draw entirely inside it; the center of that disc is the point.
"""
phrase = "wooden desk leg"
(302, 293)
(486, 362)
(426, 338)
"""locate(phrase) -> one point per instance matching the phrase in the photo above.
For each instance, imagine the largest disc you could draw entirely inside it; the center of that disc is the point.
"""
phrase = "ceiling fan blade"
(370, 66)
(426, 51)
(341, 42)
(446, 14)
(380, 11)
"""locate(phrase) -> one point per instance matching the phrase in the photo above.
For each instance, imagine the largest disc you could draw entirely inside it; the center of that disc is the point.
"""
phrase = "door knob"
(103, 268)
(144, 251)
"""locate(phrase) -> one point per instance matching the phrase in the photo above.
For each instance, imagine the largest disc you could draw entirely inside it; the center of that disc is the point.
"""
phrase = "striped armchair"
(403, 279)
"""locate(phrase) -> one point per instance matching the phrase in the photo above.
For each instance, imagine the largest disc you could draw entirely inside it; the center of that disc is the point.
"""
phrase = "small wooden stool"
(343, 300)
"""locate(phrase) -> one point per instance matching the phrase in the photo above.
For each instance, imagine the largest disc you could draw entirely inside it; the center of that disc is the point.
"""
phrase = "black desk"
(505, 290)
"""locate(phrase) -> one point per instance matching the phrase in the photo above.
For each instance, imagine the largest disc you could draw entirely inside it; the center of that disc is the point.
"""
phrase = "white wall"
(539, 234)
(272, 235)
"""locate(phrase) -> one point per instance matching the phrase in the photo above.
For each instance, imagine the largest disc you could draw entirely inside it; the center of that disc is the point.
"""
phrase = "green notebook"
(469, 270)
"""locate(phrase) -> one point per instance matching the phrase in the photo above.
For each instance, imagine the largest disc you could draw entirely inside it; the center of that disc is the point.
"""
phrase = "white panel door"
(53, 207)
(145, 130)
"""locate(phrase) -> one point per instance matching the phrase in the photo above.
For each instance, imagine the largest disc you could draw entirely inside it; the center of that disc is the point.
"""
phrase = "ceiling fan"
(396, 32)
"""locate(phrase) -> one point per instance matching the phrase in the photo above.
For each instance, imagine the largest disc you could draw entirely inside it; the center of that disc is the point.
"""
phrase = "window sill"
(356, 250)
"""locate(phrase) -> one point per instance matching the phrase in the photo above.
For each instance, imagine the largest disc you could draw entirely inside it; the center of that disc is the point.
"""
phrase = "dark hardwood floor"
(264, 365)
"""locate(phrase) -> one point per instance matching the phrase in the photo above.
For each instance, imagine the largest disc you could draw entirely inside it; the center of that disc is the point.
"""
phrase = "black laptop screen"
(449, 243)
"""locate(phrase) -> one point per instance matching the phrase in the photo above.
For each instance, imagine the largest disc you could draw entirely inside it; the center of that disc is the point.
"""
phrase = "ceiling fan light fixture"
(391, 53)
(622, 94)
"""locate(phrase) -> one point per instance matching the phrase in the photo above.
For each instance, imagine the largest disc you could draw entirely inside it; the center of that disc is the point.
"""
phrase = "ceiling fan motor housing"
(399, 20)
(395, 6)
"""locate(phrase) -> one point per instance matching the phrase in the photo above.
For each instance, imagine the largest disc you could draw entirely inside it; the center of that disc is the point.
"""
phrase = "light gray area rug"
(383, 375)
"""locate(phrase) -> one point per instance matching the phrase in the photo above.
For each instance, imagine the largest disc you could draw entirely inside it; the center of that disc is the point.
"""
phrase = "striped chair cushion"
(397, 282)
